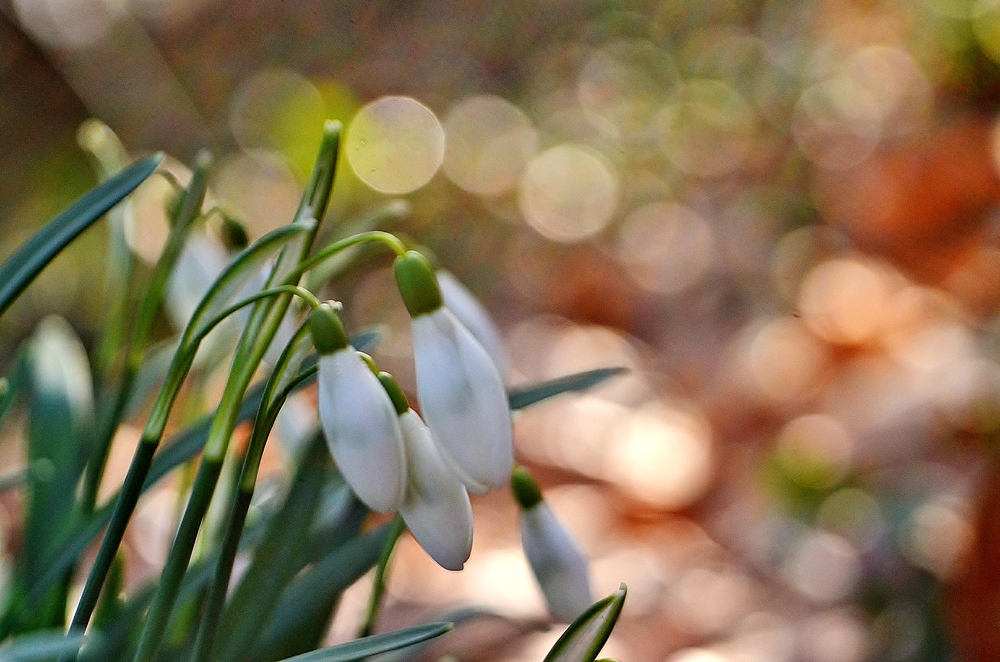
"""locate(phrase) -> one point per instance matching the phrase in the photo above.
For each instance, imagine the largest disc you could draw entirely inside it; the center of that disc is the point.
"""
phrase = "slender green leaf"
(524, 396)
(379, 643)
(584, 638)
(276, 560)
(41, 647)
(458, 617)
(60, 418)
(12, 385)
(29, 260)
(318, 587)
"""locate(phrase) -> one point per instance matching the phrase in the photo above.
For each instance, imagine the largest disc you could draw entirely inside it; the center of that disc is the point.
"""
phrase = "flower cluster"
(391, 459)
(394, 461)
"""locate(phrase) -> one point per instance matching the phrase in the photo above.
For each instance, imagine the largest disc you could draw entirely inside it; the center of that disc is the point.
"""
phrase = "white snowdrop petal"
(362, 430)
(436, 508)
(463, 400)
(199, 263)
(557, 562)
(471, 313)
(493, 408)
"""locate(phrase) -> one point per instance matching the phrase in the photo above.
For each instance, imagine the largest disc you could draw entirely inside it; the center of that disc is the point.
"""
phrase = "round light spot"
(825, 568)
(279, 110)
(395, 145)
(707, 129)
(815, 450)
(845, 301)
(488, 144)
(837, 123)
(662, 456)
(568, 193)
(666, 247)
(260, 187)
(785, 362)
(624, 82)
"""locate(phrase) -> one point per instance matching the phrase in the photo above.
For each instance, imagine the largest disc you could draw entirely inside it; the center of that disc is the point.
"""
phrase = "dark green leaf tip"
(395, 392)
(526, 491)
(417, 284)
(327, 330)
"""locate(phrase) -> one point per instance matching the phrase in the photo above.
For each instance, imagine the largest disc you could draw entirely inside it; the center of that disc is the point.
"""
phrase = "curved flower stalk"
(462, 396)
(357, 417)
(466, 307)
(436, 508)
(554, 555)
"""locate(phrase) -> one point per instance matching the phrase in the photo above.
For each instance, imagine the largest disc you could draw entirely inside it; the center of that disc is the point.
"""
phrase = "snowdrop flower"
(199, 263)
(462, 396)
(555, 557)
(436, 507)
(357, 417)
(466, 307)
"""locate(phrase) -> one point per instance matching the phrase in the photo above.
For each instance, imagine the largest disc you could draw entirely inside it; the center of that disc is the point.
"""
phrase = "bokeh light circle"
(488, 144)
(707, 129)
(568, 193)
(666, 247)
(395, 144)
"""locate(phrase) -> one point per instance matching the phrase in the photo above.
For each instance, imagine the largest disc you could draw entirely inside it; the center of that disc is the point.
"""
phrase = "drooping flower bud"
(555, 557)
(357, 417)
(462, 396)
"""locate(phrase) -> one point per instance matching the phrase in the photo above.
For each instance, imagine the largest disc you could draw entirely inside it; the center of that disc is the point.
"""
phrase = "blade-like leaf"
(319, 586)
(276, 560)
(60, 418)
(42, 647)
(379, 643)
(523, 396)
(185, 445)
(584, 638)
(26, 263)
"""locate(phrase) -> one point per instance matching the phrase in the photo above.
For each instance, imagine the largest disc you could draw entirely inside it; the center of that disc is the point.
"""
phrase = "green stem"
(253, 343)
(396, 530)
(111, 414)
(387, 238)
(271, 401)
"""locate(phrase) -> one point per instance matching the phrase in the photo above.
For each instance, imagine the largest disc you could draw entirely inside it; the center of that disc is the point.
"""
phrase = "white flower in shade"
(436, 507)
(466, 307)
(554, 555)
(462, 396)
(199, 263)
(357, 417)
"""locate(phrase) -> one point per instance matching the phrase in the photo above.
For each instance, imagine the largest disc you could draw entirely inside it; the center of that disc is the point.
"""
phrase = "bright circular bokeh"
(666, 247)
(489, 143)
(395, 144)
(568, 193)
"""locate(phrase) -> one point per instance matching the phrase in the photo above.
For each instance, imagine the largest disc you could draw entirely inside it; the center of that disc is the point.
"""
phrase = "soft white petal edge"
(470, 312)
(557, 562)
(362, 430)
(436, 508)
(463, 400)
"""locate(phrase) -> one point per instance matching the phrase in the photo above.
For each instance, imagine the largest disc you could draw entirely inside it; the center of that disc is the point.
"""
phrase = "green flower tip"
(333, 128)
(395, 392)
(370, 362)
(417, 284)
(526, 490)
(202, 160)
(327, 330)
